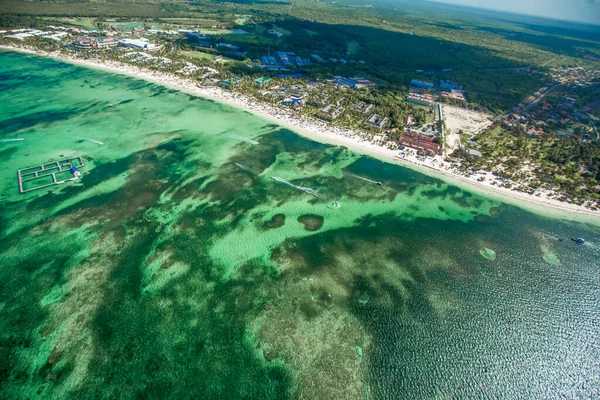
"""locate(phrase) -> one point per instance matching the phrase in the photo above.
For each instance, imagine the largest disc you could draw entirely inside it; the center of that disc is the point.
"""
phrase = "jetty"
(50, 174)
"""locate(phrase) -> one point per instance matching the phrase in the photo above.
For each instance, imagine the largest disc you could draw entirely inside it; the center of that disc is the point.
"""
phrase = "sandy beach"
(481, 183)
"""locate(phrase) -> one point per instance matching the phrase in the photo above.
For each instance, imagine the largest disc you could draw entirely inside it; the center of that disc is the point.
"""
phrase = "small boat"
(244, 167)
(90, 140)
(335, 205)
(578, 240)
(110, 105)
(367, 180)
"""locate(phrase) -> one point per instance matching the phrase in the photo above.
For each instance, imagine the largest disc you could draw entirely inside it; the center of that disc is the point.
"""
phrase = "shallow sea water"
(168, 272)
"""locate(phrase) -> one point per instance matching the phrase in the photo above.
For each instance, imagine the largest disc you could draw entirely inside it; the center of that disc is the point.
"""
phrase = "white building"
(57, 36)
(142, 44)
(19, 36)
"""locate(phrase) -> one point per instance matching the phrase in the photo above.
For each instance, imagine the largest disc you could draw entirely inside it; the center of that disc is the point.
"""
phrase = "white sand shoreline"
(322, 132)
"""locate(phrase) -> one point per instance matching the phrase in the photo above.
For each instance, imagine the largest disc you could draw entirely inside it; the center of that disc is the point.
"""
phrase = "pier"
(50, 174)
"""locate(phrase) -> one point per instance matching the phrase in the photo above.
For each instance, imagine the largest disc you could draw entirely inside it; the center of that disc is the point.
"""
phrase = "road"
(533, 103)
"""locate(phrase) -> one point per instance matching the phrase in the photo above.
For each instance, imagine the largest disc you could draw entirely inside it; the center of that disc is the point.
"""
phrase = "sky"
(572, 10)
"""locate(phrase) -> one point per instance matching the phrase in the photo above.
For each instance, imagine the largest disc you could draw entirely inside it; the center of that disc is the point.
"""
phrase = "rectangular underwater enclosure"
(44, 175)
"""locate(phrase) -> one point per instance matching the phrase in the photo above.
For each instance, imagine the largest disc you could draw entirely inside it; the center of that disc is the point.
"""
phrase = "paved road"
(533, 103)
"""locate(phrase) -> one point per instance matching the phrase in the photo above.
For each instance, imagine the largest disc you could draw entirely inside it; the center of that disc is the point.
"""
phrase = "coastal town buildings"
(362, 108)
(330, 112)
(262, 81)
(454, 94)
(57, 37)
(140, 44)
(23, 34)
(420, 99)
(92, 42)
(353, 83)
(282, 60)
(419, 142)
(376, 121)
(230, 83)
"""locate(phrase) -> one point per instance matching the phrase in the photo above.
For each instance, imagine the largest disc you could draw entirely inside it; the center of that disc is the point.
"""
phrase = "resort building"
(263, 80)
(284, 57)
(22, 34)
(330, 112)
(95, 43)
(471, 152)
(362, 107)
(353, 83)
(454, 94)
(140, 44)
(57, 37)
(420, 99)
(420, 142)
(229, 83)
(188, 69)
(376, 121)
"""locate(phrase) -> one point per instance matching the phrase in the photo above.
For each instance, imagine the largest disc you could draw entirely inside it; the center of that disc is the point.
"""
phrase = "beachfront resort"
(297, 200)
(431, 124)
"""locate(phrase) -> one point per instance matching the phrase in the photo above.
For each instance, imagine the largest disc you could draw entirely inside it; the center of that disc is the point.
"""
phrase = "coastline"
(322, 132)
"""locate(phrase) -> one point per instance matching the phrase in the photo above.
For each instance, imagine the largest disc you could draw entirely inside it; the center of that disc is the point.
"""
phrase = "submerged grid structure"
(50, 174)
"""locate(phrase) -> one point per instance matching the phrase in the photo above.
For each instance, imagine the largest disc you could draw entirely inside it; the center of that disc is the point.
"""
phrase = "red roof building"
(420, 142)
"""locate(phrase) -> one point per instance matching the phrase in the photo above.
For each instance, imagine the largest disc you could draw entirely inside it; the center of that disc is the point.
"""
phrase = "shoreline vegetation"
(352, 139)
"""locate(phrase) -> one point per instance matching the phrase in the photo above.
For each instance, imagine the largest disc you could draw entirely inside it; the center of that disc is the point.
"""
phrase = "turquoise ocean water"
(167, 271)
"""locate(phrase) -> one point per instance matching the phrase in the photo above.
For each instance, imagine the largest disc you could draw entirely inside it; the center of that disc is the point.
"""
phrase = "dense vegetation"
(394, 40)
(568, 163)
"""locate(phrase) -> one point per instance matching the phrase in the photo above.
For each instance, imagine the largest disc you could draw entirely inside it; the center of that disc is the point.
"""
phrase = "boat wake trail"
(367, 180)
(304, 189)
(243, 139)
(81, 139)
(10, 140)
